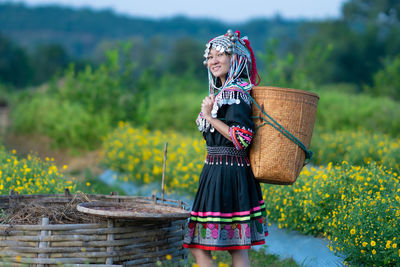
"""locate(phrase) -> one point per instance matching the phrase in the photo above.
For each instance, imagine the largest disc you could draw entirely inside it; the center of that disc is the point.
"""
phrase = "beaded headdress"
(242, 57)
(242, 62)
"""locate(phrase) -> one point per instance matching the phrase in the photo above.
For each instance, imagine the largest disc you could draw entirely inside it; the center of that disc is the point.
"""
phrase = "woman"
(228, 212)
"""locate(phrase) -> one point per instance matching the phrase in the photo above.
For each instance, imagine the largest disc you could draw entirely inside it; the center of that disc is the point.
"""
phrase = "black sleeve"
(241, 125)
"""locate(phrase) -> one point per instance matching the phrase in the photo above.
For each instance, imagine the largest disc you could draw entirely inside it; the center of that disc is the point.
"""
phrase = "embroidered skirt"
(228, 212)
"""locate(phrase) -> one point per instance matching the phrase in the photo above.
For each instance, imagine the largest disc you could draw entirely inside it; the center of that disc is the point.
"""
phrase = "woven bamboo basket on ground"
(109, 241)
(274, 158)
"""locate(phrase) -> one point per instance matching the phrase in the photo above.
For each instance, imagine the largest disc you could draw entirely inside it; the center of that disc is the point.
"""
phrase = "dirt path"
(3, 120)
(78, 165)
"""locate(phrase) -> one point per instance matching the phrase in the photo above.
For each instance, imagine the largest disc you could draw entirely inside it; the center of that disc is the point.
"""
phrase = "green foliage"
(77, 111)
(366, 12)
(20, 68)
(292, 73)
(341, 111)
(344, 88)
(68, 124)
(15, 68)
(184, 58)
(311, 62)
(356, 147)
(47, 60)
(387, 80)
(170, 102)
(99, 90)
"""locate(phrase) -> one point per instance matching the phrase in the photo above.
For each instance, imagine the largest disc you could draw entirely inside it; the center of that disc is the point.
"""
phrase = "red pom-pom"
(254, 74)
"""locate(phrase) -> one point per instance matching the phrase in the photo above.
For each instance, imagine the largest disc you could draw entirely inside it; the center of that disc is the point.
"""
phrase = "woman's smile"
(219, 64)
(216, 68)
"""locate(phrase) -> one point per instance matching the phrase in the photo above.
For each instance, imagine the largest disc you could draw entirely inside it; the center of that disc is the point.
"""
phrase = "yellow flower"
(394, 245)
(221, 264)
(168, 257)
(364, 244)
(352, 231)
(373, 243)
(88, 184)
(373, 252)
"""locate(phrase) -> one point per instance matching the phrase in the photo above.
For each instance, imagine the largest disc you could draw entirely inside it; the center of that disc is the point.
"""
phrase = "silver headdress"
(242, 62)
(230, 43)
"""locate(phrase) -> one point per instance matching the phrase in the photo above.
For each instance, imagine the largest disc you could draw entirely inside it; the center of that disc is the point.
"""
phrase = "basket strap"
(278, 127)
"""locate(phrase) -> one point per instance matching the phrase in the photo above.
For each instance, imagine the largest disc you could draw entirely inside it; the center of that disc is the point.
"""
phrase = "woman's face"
(219, 64)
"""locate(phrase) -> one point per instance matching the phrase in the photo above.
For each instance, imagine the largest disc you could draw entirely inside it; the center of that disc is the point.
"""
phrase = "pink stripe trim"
(232, 133)
(216, 248)
(245, 137)
(208, 213)
(243, 84)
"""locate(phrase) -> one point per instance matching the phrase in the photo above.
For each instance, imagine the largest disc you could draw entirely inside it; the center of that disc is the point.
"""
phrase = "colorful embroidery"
(241, 137)
(232, 93)
(233, 217)
(223, 231)
(225, 236)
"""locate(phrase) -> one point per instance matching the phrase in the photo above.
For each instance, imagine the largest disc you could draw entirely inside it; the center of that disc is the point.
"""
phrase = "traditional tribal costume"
(228, 211)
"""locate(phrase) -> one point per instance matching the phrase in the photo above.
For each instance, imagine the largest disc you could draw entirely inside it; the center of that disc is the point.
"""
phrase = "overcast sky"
(226, 10)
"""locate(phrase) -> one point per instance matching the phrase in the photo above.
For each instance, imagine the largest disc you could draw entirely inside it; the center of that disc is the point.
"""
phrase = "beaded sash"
(227, 155)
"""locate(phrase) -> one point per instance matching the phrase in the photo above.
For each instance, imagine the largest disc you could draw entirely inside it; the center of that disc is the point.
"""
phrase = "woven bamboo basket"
(108, 242)
(275, 159)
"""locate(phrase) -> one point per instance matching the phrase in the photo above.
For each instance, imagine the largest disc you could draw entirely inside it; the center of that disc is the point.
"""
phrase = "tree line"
(361, 47)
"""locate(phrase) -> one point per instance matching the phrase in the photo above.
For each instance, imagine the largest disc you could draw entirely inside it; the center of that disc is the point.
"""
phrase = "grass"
(256, 258)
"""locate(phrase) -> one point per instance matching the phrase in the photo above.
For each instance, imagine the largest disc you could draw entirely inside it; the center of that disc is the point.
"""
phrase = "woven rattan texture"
(274, 158)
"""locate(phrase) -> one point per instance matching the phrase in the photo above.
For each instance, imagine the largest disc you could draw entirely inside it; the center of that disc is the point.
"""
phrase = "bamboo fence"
(109, 242)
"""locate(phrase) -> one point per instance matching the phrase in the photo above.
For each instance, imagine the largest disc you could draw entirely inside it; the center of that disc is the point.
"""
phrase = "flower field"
(30, 175)
(357, 147)
(138, 155)
(356, 206)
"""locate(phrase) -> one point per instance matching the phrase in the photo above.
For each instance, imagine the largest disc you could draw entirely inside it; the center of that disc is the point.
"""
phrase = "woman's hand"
(220, 126)
(207, 106)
